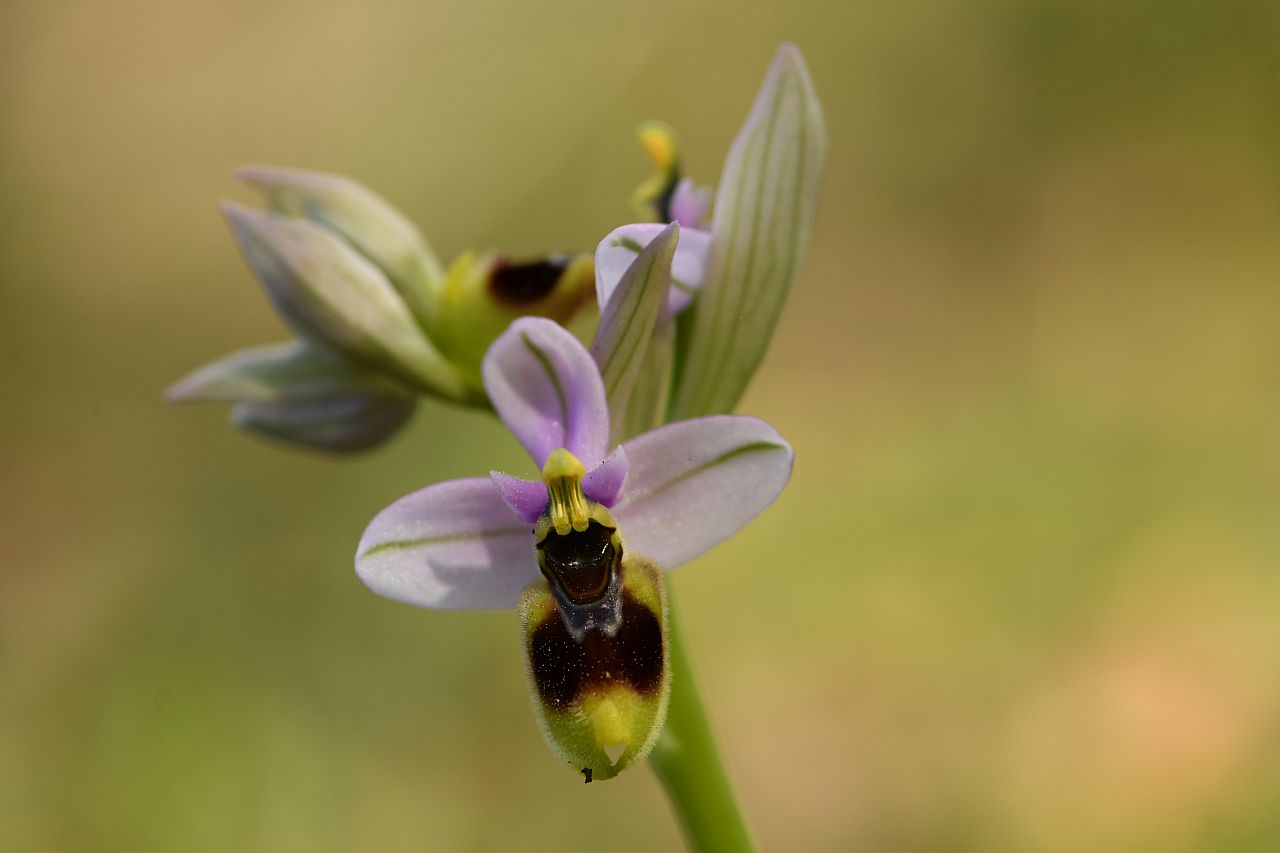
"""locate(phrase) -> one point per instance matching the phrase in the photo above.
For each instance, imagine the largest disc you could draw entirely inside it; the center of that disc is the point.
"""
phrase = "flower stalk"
(687, 762)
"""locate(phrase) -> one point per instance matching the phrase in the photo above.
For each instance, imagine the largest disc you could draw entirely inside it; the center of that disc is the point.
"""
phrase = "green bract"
(761, 225)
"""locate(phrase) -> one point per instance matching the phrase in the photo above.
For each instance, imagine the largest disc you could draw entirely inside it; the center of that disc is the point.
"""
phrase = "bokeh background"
(1023, 593)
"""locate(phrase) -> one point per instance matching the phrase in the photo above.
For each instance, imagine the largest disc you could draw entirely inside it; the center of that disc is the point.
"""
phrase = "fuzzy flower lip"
(675, 491)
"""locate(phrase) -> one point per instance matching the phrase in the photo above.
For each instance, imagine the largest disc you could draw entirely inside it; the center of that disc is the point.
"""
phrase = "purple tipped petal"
(695, 483)
(547, 390)
(453, 546)
(527, 500)
(616, 252)
(605, 481)
(689, 204)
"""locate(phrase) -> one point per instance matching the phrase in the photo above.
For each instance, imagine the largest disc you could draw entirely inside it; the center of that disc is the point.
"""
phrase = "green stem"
(688, 764)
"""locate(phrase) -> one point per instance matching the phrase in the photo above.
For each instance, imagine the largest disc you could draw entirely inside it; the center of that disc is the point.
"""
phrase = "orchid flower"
(664, 198)
(734, 275)
(377, 319)
(581, 551)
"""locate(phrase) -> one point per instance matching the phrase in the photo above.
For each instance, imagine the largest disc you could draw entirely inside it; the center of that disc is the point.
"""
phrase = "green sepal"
(365, 219)
(277, 373)
(302, 394)
(344, 424)
(761, 226)
(335, 297)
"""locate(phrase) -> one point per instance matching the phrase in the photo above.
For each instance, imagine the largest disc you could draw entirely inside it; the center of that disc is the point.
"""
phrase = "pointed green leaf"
(762, 223)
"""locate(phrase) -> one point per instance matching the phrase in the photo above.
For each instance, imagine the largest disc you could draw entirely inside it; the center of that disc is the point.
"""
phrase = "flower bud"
(366, 220)
(301, 394)
(341, 423)
(335, 297)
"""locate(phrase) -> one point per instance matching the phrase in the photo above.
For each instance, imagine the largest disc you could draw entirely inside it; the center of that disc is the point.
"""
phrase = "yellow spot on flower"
(611, 732)
(659, 141)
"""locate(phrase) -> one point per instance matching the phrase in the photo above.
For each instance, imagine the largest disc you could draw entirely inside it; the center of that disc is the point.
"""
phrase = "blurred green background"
(1021, 595)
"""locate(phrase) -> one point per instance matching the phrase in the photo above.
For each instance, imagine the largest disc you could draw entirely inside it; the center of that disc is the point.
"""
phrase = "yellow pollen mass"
(563, 474)
(660, 143)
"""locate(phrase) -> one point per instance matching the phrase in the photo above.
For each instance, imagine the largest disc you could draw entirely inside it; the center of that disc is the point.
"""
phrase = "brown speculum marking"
(520, 284)
(565, 668)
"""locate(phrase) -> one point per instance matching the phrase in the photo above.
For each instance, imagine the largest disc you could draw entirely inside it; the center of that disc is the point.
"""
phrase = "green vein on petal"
(727, 456)
(627, 325)
(763, 220)
(545, 362)
(403, 544)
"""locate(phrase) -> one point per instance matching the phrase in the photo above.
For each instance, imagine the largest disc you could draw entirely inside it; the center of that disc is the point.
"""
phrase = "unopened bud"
(301, 394)
(371, 224)
(334, 296)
